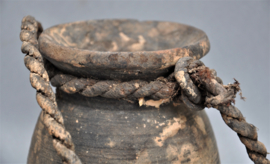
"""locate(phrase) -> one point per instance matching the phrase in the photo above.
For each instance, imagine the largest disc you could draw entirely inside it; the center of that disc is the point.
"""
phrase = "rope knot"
(202, 88)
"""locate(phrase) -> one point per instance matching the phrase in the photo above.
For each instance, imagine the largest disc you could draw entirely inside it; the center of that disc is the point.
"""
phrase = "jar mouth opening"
(124, 35)
(121, 45)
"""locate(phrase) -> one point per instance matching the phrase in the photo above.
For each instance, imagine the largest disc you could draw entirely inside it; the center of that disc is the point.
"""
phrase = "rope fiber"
(51, 116)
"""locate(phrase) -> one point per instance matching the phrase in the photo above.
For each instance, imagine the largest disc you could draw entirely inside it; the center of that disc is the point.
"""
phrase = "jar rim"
(119, 65)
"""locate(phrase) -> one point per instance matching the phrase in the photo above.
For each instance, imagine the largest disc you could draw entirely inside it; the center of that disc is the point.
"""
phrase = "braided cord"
(50, 116)
(220, 97)
(160, 89)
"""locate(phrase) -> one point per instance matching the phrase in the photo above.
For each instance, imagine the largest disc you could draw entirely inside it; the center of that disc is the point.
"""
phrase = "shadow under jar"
(114, 130)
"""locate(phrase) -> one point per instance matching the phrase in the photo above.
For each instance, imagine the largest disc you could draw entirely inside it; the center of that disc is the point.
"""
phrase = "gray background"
(239, 36)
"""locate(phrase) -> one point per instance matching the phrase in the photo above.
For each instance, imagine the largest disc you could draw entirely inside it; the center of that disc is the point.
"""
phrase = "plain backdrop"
(238, 31)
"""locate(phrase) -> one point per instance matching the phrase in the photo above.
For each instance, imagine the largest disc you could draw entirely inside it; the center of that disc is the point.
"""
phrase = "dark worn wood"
(121, 49)
(116, 131)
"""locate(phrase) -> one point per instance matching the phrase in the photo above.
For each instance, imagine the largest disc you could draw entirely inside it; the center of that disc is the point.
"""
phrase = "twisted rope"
(200, 87)
(220, 97)
(50, 116)
(160, 89)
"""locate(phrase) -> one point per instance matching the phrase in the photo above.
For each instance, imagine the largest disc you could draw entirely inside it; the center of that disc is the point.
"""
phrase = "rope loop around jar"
(192, 82)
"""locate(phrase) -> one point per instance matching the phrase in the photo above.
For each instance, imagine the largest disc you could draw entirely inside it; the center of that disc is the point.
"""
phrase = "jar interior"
(124, 35)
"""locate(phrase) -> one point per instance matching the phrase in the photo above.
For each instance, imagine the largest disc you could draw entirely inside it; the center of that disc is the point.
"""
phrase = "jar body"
(116, 131)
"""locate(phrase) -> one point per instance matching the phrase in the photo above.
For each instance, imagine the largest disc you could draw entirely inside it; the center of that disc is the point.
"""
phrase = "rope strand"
(221, 97)
(51, 116)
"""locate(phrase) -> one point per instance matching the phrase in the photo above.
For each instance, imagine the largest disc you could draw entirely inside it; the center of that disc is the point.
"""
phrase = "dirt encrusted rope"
(51, 116)
(132, 90)
(201, 86)
(194, 83)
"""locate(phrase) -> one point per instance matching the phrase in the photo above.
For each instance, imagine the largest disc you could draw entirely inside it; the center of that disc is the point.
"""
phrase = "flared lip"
(84, 62)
